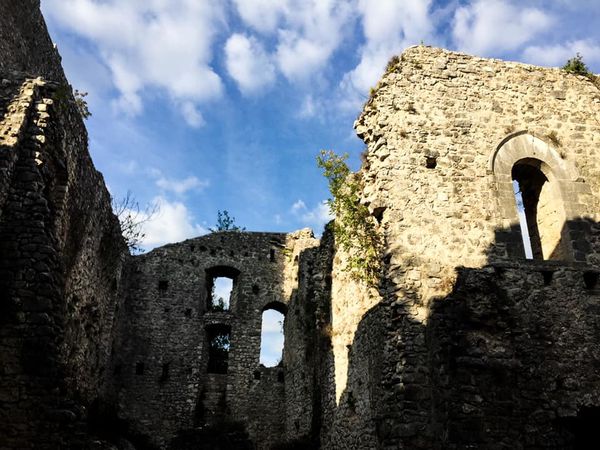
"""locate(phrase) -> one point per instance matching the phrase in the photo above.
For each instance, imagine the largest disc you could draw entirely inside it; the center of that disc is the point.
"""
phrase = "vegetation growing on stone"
(392, 64)
(225, 222)
(63, 93)
(81, 103)
(132, 219)
(577, 66)
(353, 227)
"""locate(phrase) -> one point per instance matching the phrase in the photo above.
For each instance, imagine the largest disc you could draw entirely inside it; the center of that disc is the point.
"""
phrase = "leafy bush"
(354, 228)
(577, 66)
(225, 223)
(81, 103)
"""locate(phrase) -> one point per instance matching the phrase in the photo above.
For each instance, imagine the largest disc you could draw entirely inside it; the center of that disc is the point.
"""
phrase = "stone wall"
(167, 321)
(60, 247)
(444, 132)
(25, 45)
(514, 358)
(463, 344)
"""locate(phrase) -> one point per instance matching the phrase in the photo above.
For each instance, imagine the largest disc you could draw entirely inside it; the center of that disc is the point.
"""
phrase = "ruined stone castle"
(464, 343)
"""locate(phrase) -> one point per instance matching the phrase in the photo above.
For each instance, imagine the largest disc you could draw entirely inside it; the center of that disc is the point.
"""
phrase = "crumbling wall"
(25, 44)
(443, 131)
(514, 358)
(60, 247)
(166, 321)
(462, 344)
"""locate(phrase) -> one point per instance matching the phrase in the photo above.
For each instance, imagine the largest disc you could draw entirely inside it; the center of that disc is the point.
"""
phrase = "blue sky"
(201, 105)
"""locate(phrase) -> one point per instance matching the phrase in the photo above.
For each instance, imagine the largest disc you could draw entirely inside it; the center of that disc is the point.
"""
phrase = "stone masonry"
(463, 343)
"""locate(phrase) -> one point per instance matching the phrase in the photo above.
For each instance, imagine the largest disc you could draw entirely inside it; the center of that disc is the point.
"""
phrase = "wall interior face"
(463, 344)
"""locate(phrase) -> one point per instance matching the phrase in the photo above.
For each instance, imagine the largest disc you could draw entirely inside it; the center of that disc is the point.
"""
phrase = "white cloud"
(557, 55)
(248, 64)
(150, 44)
(299, 205)
(262, 15)
(487, 26)
(191, 115)
(313, 31)
(388, 26)
(172, 223)
(180, 187)
(129, 167)
(309, 107)
(316, 217)
(307, 32)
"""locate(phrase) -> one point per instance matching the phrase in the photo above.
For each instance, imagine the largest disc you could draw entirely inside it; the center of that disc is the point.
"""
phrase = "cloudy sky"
(206, 105)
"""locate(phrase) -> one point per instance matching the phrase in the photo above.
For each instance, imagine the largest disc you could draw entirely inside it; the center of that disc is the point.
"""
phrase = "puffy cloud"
(191, 115)
(312, 32)
(172, 223)
(388, 26)
(298, 205)
(180, 187)
(486, 27)
(150, 44)
(248, 64)
(316, 217)
(557, 55)
(306, 32)
(262, 15)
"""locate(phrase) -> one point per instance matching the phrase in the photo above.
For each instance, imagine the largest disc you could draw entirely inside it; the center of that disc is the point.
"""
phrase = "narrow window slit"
(139, 368)
(218, 348)
(547, 275)
(590, 279)
(164, 376)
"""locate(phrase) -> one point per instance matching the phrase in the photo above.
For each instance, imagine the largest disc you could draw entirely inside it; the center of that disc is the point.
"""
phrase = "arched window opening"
(220, 287)
(539, 210)
(271, 337)
(218, 348)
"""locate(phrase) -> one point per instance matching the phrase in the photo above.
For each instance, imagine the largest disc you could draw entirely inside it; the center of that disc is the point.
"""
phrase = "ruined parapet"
(443, 132)
(168, 377)
(447, 134)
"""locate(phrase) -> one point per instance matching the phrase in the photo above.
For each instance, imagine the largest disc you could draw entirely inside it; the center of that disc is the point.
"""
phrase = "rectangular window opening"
(139, 368)
(220, 293)
(218, 348)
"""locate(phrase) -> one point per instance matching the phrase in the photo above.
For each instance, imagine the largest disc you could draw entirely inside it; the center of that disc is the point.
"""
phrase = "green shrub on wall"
(354, 228)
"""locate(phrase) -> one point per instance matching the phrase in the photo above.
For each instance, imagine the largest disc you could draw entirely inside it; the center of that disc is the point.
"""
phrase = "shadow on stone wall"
(510, 358)
(58, 280)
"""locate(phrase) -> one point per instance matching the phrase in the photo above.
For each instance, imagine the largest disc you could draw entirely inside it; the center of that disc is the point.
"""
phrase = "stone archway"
(544, 178)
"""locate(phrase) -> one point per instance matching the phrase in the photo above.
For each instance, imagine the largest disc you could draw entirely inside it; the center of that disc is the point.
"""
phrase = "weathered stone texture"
(166, 320)
(463, 344)
(458, 109)
(60, 247)
(443, 132)
(25, 45)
